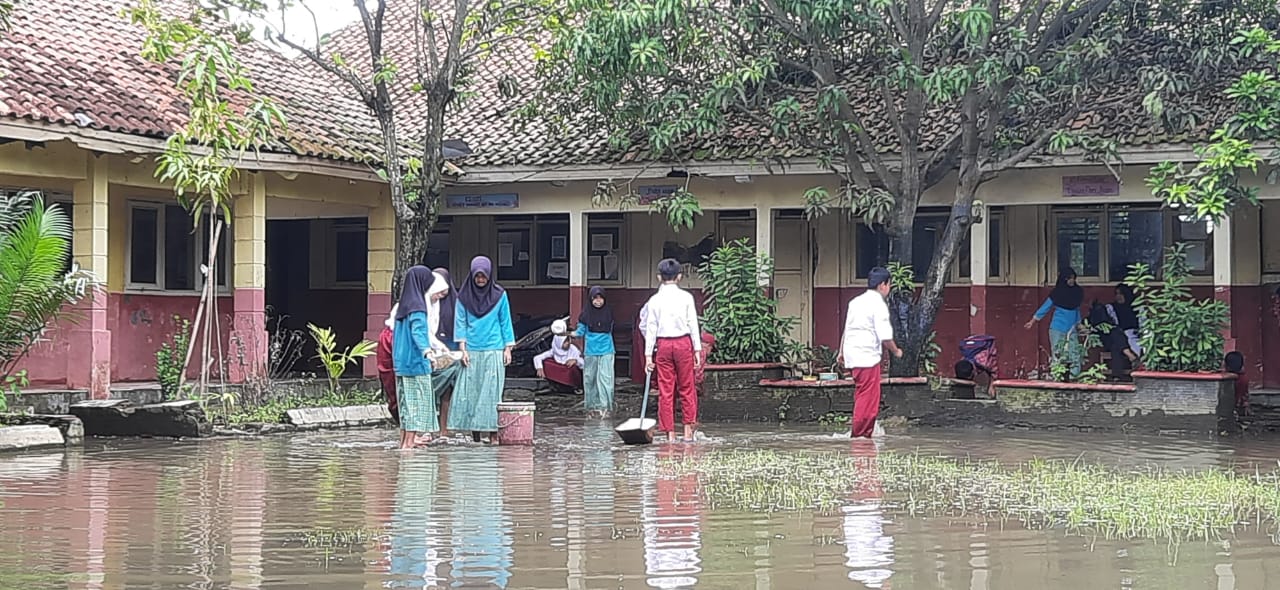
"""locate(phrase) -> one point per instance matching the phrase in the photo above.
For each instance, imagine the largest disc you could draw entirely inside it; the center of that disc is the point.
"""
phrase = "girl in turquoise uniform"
(482, 328)
(411, 341)
(1064, 302)
(595, 328)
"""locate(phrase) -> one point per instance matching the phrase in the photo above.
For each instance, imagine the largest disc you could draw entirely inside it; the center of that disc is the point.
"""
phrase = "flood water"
(345, 511)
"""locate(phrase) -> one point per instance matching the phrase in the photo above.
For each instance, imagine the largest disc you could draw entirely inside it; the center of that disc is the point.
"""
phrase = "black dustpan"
(639, 431)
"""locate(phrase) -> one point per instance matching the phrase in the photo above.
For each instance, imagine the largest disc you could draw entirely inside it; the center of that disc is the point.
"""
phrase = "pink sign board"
(1101, 185)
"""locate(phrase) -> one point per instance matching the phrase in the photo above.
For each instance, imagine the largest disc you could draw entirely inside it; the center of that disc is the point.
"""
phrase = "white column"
(764, 237)
(1223, 261)
(577, 249)
(979, 249)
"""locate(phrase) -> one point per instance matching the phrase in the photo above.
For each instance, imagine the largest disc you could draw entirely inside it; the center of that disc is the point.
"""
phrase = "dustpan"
(639, 431)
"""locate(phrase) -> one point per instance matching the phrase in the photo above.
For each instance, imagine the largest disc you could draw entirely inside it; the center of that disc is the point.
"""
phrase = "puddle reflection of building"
(482, 543)
(595, 506)
(673, 523)
(868, 550)
(419, 544)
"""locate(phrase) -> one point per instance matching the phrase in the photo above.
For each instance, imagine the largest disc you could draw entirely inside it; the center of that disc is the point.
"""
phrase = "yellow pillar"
(249, 340)
(89, 358)
(382, 267)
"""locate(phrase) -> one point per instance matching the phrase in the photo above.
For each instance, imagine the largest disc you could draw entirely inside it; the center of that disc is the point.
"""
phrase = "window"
(144, 231)
(164, 252)
(926, 236)
(1104, 242)
(1199, 243)
(1136, 236)
(1080, 243)
(438, 245)
(604, 241)
(553, 253)
(513, 254)
(339, 255)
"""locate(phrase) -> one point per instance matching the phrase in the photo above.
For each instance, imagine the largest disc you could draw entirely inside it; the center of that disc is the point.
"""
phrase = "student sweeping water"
(482, 328)
(595, 328)
(672, 342)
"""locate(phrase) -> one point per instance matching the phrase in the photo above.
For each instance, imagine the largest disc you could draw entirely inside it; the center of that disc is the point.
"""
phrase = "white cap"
(559, 328)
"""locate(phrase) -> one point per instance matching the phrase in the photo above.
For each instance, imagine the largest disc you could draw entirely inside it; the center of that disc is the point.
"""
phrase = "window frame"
(323, 242)
(197, 259)
(606, 225)
(953, 275)
(1169, 223)
(529, 225)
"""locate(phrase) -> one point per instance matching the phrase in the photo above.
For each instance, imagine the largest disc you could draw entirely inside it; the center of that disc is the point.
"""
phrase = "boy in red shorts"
(673, 343)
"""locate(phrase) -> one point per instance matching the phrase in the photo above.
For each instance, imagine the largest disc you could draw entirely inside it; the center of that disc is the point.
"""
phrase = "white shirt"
(866, 326)
(670, 313)
(558, 353)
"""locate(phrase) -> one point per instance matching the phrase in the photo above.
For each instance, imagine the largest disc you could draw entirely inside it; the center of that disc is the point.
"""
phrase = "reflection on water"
(345, 510)
(868, 550)
(672, 524)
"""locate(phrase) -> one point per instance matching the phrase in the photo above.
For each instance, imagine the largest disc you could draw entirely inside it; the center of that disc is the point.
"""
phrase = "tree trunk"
(411, 248)
(925, 311)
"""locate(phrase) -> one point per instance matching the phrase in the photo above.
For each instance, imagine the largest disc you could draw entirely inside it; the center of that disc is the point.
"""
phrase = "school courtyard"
(312, 230)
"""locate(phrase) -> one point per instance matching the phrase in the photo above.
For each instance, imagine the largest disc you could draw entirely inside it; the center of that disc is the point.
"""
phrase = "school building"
(312, 231)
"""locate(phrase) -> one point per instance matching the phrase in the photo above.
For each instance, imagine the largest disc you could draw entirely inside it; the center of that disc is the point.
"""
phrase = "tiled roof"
(60, 62)
(79, 64)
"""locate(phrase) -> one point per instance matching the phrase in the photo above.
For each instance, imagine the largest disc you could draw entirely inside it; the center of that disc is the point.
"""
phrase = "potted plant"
(799, 359)
(827, 363)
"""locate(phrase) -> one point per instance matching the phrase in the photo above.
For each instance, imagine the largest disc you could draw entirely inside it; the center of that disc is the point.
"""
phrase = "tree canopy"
(893, 97)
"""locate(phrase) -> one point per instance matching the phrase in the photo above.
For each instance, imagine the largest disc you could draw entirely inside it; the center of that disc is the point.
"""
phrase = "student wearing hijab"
(595, 329)
(482, 328)
(1064, 301)
(444, 379)
(1122, 341)
(411, 345)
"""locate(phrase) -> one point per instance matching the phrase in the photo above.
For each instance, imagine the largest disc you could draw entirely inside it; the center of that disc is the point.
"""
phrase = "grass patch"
(273, 411)
(1084, 499)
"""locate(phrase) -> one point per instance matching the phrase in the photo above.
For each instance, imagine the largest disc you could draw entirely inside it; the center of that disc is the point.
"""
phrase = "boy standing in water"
(867, 332)
(672, 342)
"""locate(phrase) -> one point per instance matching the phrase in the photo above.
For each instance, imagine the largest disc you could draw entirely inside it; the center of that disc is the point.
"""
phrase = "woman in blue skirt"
(482, 328)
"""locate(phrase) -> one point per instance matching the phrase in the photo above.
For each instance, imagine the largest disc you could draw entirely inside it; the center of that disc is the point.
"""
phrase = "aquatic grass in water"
(1080, 498)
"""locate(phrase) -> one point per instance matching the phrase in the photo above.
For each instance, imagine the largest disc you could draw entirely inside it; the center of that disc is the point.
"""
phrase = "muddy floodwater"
(346, 511)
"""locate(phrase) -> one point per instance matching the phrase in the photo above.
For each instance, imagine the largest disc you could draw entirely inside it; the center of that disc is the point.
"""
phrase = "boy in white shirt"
(565, 359)
(672, 342)
(867, 332)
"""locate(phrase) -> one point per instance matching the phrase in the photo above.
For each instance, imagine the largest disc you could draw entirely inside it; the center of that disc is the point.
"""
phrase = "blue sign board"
(499, 201)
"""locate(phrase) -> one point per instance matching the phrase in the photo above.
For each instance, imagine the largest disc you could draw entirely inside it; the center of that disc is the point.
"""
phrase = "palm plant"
(35, 287)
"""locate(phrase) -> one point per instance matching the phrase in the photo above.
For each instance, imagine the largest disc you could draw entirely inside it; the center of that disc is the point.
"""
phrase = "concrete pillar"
(979, 248)
(89, 355)
(578, 227)
(249, 340)
(382, 265)
(764, 238)
(1224, 272)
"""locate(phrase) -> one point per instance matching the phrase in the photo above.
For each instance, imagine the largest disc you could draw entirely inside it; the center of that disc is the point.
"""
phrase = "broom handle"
(644, 401)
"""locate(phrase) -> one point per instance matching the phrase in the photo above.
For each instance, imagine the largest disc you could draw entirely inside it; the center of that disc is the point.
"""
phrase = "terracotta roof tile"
(102, 76)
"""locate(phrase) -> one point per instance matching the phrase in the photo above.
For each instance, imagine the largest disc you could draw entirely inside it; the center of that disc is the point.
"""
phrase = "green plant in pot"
(799, 359)
(826, 363)
(738, 310)
(1178, 332)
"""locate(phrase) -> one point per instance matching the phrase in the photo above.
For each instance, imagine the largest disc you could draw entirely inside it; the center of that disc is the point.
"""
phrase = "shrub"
(171, 359)
(1179, 333)
(739, 313)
